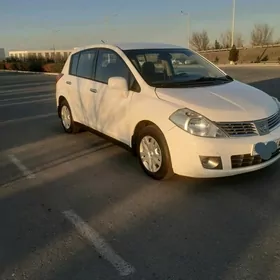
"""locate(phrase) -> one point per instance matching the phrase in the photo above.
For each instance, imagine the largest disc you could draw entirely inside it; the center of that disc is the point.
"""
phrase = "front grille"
(238, 161)
(239, 129)
(273, 121)
(251, 128)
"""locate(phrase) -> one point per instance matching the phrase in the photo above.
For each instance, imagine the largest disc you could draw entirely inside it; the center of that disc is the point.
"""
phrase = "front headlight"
(196, 124)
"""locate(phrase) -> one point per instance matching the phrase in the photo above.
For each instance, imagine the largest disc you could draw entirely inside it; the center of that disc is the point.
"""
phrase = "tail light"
(58, 77)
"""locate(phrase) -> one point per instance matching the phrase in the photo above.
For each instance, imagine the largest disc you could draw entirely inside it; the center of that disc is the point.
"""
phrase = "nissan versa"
(188, 118)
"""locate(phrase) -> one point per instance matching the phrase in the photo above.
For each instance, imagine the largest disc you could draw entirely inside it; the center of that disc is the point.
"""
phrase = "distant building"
(2, 54)
(46, 54)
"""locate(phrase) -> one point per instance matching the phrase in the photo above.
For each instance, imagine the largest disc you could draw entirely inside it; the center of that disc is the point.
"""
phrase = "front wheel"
(153, 153)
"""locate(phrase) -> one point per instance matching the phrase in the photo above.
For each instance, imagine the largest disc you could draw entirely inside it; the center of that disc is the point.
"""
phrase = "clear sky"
(40, 24)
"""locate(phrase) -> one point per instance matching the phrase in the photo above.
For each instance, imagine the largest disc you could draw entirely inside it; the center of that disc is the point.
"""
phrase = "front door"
(113, 108)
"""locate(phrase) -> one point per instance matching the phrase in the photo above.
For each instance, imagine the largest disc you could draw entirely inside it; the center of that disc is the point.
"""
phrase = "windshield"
(175, 68)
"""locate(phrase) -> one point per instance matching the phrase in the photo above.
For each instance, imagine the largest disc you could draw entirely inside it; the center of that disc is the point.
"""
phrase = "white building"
(2, 54)
(47, 54)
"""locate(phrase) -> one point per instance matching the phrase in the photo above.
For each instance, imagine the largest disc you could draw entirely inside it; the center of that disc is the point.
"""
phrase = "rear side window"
(74, 64)
(86, 64)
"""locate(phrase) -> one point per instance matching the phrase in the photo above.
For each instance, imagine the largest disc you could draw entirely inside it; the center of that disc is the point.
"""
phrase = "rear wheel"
(153, 153)
(67, 121)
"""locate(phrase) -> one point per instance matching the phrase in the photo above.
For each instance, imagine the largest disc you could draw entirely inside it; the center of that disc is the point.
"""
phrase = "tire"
(164, 169)
(71, 127)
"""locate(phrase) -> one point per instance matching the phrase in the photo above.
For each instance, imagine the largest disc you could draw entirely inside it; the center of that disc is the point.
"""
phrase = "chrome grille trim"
(250, 128)
(237, 129)
(274, 121)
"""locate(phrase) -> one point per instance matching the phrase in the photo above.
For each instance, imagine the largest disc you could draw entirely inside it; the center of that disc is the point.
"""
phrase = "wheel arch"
(144, 128)
(140, 125)
(60, 100)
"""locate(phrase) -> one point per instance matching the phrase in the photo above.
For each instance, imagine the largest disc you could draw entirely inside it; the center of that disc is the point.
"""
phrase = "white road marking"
(99, 243)
(23, 85)
(22, 91)
(28, 118)
(27, 97)
(26, 102)
(25, 171)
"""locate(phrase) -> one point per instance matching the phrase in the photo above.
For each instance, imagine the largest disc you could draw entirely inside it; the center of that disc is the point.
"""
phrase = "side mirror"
(119, 84)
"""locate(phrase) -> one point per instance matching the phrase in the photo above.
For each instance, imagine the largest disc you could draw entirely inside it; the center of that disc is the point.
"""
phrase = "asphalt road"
(78, 207)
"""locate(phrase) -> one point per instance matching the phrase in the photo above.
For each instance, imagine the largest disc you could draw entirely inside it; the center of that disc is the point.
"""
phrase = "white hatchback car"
(193, 120)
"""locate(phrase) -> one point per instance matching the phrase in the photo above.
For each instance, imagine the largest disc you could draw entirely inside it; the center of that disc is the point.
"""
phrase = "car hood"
(232, 101)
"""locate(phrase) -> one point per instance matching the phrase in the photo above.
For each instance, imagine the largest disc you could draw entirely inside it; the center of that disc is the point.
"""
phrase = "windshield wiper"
(189, 83)
(180, 84)
(210, 79)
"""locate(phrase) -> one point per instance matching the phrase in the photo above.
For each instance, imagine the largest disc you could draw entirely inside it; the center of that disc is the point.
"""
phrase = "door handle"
(68, 83)
(93, 90)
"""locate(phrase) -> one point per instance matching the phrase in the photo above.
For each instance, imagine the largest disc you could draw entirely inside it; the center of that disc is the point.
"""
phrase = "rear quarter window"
(73, 64)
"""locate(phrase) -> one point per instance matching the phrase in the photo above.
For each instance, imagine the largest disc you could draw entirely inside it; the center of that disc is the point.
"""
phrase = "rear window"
(74, 64)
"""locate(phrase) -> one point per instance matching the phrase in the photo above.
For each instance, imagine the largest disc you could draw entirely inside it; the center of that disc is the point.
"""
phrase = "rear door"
(85, 86)
(71, 84)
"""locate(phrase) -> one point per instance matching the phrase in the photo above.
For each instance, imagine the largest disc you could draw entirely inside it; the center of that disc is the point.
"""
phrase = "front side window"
(109, 64)
(86, 63)
(175, 68)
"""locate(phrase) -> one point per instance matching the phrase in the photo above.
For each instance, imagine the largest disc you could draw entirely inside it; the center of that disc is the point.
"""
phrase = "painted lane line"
(27, 102)
(22, 85)
(26, 97)
(25, 171)
(28, 118)
(24, 91)
(59, 162)
(99, 243)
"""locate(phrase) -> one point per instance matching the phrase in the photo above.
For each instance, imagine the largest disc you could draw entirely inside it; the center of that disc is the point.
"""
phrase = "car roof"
(132, 46)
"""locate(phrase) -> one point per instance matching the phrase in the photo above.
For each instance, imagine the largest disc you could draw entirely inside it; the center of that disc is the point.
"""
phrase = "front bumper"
(235, 153)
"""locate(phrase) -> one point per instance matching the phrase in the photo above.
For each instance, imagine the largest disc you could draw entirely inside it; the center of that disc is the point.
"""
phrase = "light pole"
(54, 58)
(188, 26)
(107, 22)
(233, 23)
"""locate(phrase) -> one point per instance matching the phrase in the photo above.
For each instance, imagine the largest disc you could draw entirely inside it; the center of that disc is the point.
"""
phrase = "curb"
(30, 72)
